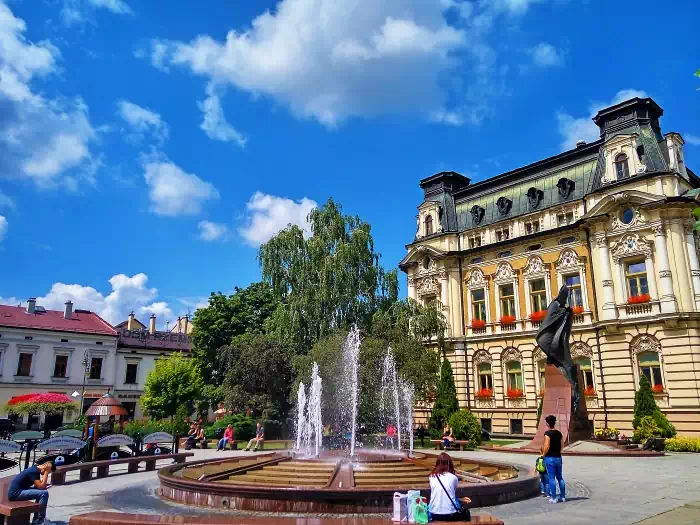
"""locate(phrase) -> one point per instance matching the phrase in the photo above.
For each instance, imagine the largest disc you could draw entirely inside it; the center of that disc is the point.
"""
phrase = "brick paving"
(613, 491)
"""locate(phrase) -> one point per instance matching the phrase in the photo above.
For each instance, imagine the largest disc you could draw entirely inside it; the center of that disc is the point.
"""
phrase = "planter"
(658, 389)
(578, 310)
(478, 324)
(639, 299)
(507, 320)
(514, 393)
(590, 391)
(484, 393)
(538, 316)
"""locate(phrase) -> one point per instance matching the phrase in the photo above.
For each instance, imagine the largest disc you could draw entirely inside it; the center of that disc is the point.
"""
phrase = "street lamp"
(85, 374)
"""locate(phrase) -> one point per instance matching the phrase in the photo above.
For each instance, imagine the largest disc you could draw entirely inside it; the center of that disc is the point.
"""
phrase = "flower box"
(507, 319)
(484, 393)
(478, 324)
(514, 393)
(639, 299)
(589, 391)
(658, 389)
(540, 393)
(538, 316)
(578, 310)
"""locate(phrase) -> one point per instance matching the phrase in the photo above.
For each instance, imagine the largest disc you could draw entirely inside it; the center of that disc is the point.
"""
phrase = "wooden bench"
(59, 476)
(462, 445)
(119, 518)
(14, 512)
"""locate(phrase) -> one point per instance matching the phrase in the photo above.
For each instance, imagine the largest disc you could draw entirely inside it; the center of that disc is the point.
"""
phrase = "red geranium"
(658, 389)
(639, 299)
(589, 390)
(514, 393)
(484, 393)
(538, 316)
(508, 319)
(478, 324)
(577, 310)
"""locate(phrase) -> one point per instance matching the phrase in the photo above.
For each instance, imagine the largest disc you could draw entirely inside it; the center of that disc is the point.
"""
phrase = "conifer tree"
(644, 402)
(446, 402)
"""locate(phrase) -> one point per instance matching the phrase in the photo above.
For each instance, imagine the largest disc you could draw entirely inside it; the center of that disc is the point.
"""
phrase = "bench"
(14, 512)
(456, 444)
(119, 518)
(286, 443)
(59, 476)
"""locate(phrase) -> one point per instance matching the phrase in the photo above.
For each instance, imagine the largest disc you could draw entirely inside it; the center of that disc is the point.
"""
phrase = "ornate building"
(611, 220)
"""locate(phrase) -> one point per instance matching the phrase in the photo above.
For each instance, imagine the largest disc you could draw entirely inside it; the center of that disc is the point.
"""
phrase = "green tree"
(467, 427)
(175, 381)
(215, 326)
(326, 282)
(644, 402)
(259, 375)
(446, 402)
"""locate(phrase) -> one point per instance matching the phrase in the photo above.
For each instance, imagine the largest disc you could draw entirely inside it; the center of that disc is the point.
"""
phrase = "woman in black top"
(552, 460)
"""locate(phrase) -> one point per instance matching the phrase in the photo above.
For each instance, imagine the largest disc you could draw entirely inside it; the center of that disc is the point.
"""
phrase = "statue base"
(558, 401)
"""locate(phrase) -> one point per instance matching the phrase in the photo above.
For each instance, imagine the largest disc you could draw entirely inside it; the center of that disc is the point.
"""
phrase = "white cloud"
(79, 12)
(268, 214)
(545, 55)
(173, 191)
(194, 303)
(215, 124)
(213, 231)
(143, 120)
(160, 309)
(6, 201)
(45, 140)
(3, 228)
(331, 60)
(116, 6)
(691, 139)
(573, 129)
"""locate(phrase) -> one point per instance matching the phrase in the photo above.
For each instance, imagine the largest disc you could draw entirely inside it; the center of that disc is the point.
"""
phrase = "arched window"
(429, 225)
(622, 166)
(541, 365)
(485, 376)
(584, 364)
(650, 366)
(514, 372)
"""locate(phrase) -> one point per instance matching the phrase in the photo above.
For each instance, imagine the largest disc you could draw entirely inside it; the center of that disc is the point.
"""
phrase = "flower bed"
(478, 324)
(606, 433)
(683, 444)
(538, 316)
(639, 299)
(514, 393)
(658, 389)
(507, 319)
(578, 310)
(484, 393)
(589, 391)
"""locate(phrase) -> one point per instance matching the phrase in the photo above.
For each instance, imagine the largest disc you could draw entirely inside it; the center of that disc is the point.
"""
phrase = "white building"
(52, 351)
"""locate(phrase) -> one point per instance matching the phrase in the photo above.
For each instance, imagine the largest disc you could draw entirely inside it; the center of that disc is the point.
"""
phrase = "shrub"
(143, 428)
(644, 402)
(647, 429)
(683, 444)
(245, 427)
(665, 426)
(466, 426)
(607, 433)
(446, 402)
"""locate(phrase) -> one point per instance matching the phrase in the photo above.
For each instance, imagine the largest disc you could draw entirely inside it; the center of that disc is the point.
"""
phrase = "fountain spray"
(390, 381)
(351, 356)
(314, 408)
(301, 414)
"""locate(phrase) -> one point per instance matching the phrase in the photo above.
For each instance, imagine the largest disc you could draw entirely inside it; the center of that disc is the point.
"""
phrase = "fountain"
(311, 479)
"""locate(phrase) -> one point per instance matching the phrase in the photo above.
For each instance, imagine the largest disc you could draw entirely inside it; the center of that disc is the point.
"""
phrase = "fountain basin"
(334, 483)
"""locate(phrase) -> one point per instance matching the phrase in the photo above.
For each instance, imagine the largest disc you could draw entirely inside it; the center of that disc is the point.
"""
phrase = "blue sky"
(146, 151)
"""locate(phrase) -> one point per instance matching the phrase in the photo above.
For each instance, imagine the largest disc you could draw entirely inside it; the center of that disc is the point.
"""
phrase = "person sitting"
(32, 484)
(191, 436)
(201, 438)
(259, 438)
(443, 492)
(228, 436)
(447, 436)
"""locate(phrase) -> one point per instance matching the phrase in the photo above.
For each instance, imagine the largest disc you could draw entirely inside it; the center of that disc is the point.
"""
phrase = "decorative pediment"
(476, 279)
(630, 245)
(504, 272)
(645, 343)
(510, 354)
(416, 255)
(637, 220)
(611, 203)
(428, 286)
(538, 355)
(535, 266)
(580, 349)
(482, 356)
(568, 260)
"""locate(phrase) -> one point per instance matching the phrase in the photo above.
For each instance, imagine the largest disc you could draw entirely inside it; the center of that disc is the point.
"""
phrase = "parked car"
(7, 428)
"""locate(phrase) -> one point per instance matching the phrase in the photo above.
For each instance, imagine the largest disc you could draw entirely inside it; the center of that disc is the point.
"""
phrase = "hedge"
(245, 427)
(683, 444)
(465, 426)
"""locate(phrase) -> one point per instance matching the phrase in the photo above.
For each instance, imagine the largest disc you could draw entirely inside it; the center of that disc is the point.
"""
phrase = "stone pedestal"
(557, 401)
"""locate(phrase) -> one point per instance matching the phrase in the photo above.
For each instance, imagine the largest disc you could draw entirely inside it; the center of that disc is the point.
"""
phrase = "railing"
(536, 324)
(579, 319)
(479, 331)
(638, 309)
(509, 327)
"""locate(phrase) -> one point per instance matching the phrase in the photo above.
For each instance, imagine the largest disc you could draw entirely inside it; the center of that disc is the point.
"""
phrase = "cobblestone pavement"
(604, 490)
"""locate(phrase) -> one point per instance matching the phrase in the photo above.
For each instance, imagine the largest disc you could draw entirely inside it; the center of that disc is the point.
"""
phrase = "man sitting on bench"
(32, 484)
(259, 438)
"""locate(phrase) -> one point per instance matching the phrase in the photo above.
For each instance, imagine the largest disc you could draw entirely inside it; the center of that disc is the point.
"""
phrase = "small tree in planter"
(446, 402)
(645, 406)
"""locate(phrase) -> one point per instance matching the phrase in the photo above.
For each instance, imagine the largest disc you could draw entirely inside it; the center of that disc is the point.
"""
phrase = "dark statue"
(553, 339)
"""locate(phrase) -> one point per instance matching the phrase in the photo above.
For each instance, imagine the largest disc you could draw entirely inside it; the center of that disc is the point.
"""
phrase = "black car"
(7, 428)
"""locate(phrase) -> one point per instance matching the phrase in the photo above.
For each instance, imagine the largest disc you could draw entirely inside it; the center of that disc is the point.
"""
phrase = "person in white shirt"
(443, 488)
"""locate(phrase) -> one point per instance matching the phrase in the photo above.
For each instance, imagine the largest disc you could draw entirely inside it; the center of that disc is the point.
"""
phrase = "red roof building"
(82, 321)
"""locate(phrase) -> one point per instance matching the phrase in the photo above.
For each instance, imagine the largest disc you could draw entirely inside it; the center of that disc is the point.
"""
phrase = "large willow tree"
(327, 280)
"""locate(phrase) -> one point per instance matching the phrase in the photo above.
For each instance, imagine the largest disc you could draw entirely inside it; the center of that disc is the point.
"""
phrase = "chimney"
(152, 324)
(130, 324)
(179, 325)
(31, 305)
(68, 313)
(187, 320)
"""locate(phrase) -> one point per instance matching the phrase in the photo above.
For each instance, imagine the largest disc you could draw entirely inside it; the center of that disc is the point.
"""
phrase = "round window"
(627, 215)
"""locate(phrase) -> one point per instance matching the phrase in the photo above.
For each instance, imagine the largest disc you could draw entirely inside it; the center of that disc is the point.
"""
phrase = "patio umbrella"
(106, 406)
(39, 402)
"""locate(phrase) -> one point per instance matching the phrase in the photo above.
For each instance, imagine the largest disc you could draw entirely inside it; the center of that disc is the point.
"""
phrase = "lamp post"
(85, 374)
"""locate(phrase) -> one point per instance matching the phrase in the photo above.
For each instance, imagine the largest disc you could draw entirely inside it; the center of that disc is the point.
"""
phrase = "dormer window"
(502, 235)
(429, 225)
(532, 227)
(622, 167)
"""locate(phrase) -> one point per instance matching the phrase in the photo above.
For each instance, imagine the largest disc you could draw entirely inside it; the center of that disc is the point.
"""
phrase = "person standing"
(390, 433)
(32, 484)
(552, 460)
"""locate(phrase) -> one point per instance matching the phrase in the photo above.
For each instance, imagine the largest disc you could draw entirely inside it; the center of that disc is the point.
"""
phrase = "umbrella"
(106, 406)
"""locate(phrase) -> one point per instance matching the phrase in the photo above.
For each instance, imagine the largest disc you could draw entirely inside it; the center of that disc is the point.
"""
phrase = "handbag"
(461, 511)
(540, 466)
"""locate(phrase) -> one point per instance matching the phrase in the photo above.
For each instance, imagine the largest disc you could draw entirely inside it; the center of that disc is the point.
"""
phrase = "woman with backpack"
(444, 505)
